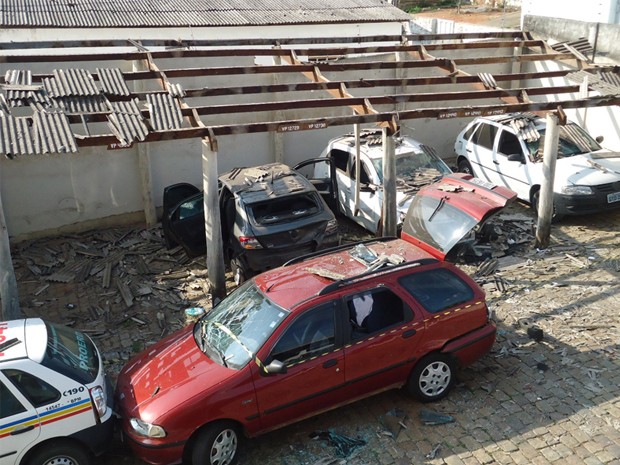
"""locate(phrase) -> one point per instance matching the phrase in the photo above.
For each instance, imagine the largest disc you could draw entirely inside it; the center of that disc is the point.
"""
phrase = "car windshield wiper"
(437, 208)
(206, 346)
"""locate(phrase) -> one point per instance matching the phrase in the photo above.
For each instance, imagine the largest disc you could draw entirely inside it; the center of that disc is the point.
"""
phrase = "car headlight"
(577, 190)
(147, 429)
(98, 397)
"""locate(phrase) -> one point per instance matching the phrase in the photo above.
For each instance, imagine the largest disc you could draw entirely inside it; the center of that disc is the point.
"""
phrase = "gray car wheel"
(432, 378)
(60, 453)
(217, 444)
(465, 167)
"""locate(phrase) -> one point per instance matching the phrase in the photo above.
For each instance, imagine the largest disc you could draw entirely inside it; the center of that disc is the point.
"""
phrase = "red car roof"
(287, 286)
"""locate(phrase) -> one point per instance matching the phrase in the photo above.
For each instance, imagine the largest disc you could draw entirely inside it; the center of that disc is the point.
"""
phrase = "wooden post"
(389, 184)
(213, 224)
(8, 284)
(144, 161)
(545, 202)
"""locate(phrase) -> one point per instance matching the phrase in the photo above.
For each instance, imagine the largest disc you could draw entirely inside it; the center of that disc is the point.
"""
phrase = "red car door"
(311, 350)
(384, 333)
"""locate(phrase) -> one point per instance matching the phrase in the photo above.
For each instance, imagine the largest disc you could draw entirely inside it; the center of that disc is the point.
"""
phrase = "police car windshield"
(71, 353)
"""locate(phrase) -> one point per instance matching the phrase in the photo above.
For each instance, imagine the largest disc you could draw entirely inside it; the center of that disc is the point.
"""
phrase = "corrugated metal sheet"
(83, 105)
(15, 136)
(165, 111)
(18, 77)
(71, 82)
(137, 13)
(126, 122)
(581, 45)
(488, 80)
(52, 133)
(112, 81)
(574, 134)
(604, 83)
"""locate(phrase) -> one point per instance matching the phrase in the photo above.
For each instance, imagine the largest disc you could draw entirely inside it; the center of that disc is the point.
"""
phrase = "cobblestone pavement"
(550, 402)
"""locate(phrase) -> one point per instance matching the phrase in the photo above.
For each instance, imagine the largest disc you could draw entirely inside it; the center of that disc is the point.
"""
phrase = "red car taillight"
(249, 242)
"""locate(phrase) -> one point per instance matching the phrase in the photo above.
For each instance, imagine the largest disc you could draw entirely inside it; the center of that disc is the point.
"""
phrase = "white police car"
(53, 400)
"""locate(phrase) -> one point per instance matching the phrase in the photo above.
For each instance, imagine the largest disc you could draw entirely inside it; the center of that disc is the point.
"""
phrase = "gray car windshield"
(439, 224)
(573, 141)
(410, 163)
(233, 331)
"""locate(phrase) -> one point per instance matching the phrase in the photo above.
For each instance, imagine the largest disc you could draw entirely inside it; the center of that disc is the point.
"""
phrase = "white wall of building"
(596, 11)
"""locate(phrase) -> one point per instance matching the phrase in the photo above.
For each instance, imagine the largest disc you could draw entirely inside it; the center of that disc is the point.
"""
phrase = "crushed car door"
(321, 173)
(371, 196)
(187, 224)
(173, 195)
(380, 322)
(513, 164)
(481, 151)
(19, 422)
(310, 348)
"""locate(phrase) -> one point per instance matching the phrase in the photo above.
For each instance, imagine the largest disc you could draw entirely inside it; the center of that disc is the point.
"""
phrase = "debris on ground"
(433, 453)
(432, 418)
(394, 422)
(344, 445)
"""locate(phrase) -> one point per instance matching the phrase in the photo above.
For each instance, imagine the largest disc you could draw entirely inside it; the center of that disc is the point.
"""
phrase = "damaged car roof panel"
(265, 182)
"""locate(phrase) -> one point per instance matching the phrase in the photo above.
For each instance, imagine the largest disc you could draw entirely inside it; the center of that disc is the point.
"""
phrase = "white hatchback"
(417, 165)
(54, 406)
(507, 150)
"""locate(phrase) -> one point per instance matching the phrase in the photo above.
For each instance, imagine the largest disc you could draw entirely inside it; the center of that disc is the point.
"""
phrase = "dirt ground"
(509, 18)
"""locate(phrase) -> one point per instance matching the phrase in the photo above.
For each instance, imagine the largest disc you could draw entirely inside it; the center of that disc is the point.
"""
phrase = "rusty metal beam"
(386, 118)
(60, 44)
(354, 102)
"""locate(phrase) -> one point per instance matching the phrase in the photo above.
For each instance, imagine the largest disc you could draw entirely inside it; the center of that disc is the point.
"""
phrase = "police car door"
(19, 423)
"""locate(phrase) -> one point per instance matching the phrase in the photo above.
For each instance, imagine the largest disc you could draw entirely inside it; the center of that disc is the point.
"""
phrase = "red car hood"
(166, 374)
(444, 213)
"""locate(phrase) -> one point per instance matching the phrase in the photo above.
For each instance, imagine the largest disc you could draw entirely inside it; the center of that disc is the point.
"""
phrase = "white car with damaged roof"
(507, 150)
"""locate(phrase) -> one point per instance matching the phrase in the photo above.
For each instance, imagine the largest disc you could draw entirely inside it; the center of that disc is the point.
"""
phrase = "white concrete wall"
(601, 121)
(598, 11)
(202, 33)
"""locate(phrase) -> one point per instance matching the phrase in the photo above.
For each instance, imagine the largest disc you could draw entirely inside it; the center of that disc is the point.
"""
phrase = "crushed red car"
(320, 332)
(447, 218)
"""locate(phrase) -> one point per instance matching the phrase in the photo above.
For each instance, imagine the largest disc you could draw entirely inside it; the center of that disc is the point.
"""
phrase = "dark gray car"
(269, 215)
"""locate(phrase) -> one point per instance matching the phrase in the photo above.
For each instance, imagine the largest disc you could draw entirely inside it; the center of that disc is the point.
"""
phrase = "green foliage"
(416, 6)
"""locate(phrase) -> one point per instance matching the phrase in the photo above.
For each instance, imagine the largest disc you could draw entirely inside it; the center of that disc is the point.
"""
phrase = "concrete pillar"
(389, 184)
(277, 137)
(144, 161)
(8, 284)
(213, 223)
(545, 203)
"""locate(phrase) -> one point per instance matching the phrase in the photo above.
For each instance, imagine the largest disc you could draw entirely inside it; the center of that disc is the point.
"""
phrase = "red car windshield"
(439, 224)
(233, 331)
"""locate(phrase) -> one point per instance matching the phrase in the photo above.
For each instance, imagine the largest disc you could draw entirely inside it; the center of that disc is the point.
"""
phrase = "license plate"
(615, 197)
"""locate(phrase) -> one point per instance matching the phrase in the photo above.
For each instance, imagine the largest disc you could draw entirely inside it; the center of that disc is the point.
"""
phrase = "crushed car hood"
(165, 370)
(591, 169)
(449, 212)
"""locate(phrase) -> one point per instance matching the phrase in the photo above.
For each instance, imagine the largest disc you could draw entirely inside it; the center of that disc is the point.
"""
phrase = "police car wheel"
(60, 454)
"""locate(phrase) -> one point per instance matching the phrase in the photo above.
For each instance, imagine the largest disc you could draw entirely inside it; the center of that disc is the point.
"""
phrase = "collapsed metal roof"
(191, 13)
(62, 110)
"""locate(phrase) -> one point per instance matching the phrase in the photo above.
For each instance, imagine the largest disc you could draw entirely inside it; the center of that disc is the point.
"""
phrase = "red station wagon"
(319, 332)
